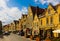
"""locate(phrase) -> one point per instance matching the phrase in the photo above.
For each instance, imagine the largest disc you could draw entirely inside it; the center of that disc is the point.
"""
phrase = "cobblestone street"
(14, 37)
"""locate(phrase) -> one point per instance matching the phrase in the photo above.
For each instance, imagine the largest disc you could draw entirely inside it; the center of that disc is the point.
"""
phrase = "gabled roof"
(24, 15)
(35, 18)
(57, 5)
(41, 11)
(54, 7)
(37, 10)
(6, 25)
(19, 19)
(16, 21)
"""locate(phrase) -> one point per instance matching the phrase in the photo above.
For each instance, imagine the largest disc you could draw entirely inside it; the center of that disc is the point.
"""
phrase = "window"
(59, 17)
(41, 22)
(48, 11)
(51, 20)
(35, 24)
(24, 26)
(47, 20)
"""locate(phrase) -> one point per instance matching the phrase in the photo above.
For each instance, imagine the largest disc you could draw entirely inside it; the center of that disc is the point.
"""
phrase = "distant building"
(16, 25)
(5, 29)
(23, 21)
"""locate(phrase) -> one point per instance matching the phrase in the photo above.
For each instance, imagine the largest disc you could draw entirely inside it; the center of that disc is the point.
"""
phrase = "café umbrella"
(56, 31)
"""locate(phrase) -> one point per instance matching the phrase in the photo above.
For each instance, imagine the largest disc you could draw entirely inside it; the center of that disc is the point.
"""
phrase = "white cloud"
(15, 13)
(54, 2)
(36, 0)
(24, 10)
(7, 15)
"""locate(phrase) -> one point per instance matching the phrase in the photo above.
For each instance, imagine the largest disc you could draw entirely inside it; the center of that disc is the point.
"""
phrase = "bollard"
(38, 39)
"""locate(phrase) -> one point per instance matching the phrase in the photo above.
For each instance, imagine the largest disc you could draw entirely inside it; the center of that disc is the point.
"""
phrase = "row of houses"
(12, 27)
(42, 21)
(38, 21)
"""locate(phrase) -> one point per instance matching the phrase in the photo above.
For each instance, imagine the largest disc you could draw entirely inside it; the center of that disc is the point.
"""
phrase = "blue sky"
(25, 3)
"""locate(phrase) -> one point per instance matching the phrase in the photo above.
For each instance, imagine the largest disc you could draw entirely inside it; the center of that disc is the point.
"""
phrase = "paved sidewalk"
(14, 37)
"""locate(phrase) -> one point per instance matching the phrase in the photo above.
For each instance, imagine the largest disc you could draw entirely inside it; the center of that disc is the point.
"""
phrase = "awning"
(56, 31)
